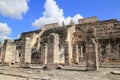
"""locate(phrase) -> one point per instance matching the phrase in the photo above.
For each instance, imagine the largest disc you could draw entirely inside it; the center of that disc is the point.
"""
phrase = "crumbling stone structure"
(90, 40)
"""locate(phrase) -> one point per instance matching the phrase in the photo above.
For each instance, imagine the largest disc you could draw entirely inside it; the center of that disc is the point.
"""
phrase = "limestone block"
(116, 72)
(52, 66)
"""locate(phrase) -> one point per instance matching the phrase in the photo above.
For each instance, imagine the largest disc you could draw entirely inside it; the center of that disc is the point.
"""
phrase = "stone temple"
(90, 40)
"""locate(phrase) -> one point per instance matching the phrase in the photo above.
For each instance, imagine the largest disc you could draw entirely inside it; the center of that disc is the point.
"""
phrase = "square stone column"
(119, 49)
(90, 56)
(0, 50)
(61, 55)
(8, 53)
(75, 54)
(68, 53)
(53, 50)
(17, 56)
(44, 52)
(108, 48)
(25, 58)
(81, 52)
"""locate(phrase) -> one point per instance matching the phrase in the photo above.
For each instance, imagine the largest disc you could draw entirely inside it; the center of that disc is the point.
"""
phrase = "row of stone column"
(47, 55)
(10, 55)
(50, 52)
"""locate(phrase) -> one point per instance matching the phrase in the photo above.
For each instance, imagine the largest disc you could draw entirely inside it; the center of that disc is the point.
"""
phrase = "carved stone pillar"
(25, 58)
(90, 56)
(8, 53)
(53, 51)
(44, 52)
(75, 54)
(81, 52)
(68, 54)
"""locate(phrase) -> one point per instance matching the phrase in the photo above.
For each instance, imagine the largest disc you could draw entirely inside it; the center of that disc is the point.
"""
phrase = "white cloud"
(5, 30)
(13, 8)
(53, 14)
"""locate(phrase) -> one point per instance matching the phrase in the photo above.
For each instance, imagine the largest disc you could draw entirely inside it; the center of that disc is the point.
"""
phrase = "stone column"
(61, 55)
(44, 51)
(75, 54)
(81, 52)
(119, 48)
(68, 53)
(99, 51)
(0, 50)
(96, 53)
(8, 53)
(108, 48)
(90, 56)
(0, 53)
(17, 57)
(53, 50)
(25, 58)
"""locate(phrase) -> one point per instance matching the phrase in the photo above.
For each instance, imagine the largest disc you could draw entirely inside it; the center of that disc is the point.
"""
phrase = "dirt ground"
(73, 72)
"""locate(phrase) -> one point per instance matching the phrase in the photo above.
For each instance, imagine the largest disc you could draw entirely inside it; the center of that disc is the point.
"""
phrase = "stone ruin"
(90, 40)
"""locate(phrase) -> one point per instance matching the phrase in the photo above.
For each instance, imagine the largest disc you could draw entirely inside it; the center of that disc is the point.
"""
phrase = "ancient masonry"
(90, 40)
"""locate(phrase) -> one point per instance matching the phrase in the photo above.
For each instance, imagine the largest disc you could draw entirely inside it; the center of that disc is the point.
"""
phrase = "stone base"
(26, 65)
(52, 66)
(90, 69)
(6, 64)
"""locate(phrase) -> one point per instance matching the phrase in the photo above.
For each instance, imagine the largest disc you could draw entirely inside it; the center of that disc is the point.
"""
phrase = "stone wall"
(88, 20)
(50, 26)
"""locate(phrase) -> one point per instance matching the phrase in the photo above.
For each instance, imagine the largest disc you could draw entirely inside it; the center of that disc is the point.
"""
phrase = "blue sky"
(17, 16)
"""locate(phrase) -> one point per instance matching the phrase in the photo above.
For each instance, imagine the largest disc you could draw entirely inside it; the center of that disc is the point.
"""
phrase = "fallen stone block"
(116, 72)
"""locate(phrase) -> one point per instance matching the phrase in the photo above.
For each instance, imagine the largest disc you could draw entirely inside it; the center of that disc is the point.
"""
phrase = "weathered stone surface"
(8, 52)
(44, 53)
(88, 20)
(52, 66)
(25, 58)
(116, 72)
(62, 55)
(75, 54)
(50, 26)
(68, 54)
(90, 56)
(0, 49)
(53, 49)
